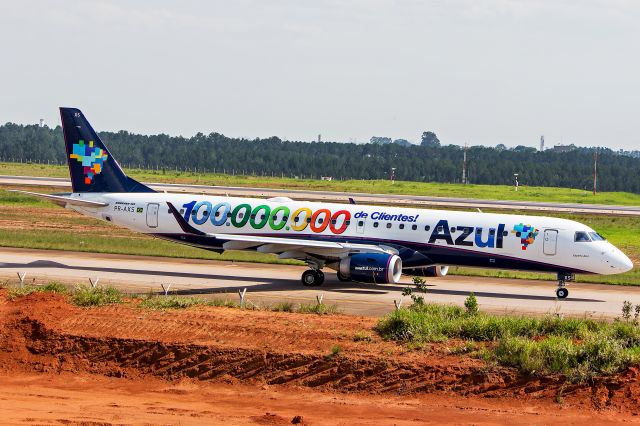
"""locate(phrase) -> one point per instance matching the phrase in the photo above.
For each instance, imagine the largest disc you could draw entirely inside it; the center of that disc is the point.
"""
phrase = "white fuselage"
(424, 237)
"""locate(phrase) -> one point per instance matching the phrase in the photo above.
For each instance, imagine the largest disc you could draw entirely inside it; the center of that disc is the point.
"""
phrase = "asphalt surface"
(412, 200)
(270, 284)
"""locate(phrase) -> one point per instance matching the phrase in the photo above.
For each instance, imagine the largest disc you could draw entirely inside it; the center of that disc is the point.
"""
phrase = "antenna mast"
(464, 165)
(595, 171)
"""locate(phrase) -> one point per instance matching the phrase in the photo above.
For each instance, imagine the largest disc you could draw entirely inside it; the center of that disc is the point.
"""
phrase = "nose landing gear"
(563, 278)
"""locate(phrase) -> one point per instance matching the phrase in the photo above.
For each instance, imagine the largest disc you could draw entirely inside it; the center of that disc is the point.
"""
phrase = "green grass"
(495, 192)
(51, 287)
(96, 296)
(317, 308)
(579, 348)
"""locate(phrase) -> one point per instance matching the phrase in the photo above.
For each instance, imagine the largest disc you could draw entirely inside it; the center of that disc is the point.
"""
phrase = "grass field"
(29, 222)
(494, 192)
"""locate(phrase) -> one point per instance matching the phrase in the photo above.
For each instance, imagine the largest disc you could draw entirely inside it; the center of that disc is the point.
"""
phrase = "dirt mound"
(43, 333)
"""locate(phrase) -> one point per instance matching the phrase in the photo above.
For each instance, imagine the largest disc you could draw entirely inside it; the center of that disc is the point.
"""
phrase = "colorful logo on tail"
(92, 159)
(526, 233)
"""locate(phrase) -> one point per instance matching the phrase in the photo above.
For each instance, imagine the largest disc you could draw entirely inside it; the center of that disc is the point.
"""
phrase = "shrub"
(284, 307)
(96, 296)
(335, 350)
(471, 304)
(362, 336)
(579, 348)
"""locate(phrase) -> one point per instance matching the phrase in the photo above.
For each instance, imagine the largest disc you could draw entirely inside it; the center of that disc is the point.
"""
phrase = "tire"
(312, 278)
(562, 293)
(342, 277)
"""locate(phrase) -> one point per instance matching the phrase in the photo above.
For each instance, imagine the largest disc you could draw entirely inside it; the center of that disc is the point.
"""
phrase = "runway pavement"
(412, 200)
(270, 284)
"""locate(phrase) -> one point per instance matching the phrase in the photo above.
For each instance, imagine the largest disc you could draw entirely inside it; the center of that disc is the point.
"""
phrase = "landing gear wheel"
(562, 293)
(342, 277)
(312, 278)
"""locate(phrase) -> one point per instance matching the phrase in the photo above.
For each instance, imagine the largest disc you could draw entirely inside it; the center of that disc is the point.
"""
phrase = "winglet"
(188, 229)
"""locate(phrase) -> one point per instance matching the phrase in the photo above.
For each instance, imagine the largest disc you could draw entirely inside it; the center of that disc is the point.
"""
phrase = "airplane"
(364, 243)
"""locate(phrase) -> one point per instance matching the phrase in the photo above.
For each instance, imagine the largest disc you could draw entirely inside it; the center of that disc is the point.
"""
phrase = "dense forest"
(428, 162)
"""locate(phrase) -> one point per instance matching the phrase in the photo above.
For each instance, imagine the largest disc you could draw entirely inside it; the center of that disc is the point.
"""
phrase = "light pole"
(515, 175)
(393, 175)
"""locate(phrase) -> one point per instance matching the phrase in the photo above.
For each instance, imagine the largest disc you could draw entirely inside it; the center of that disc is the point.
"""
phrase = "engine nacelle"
(428, 271)
(379, 268)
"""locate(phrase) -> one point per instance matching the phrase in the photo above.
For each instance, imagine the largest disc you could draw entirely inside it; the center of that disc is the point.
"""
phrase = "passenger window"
(596, 237)
(261, 217)
(295, 219)
(348, 222)
(361, 223)
(439, 229)
(205, 213)
(402, 226)
(285, 218)
(388, 225)
(582, 237)
(453, 229)
(414, 227)
(308, 220)
(375, 224)
(333, 221)
(181, 211)
(218, 214)
(240, 215)
(492, 231)
(426, 228)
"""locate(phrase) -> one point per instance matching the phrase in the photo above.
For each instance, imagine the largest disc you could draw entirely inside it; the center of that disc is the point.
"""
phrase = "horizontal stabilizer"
(63, 200)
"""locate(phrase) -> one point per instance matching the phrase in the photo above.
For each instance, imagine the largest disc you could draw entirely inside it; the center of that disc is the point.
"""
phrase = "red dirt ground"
(60, 364)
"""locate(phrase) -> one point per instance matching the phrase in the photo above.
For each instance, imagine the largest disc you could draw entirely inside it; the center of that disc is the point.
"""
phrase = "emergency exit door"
(550, 241)
(152, 215)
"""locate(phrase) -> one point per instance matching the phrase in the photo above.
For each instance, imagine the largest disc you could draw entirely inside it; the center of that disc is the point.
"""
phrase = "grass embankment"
(578, 348)
(493, 192)
(28, 222)
(86, 296)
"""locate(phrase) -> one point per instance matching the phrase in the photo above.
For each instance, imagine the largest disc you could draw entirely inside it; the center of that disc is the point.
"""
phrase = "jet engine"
(378, 268)
(428, 271)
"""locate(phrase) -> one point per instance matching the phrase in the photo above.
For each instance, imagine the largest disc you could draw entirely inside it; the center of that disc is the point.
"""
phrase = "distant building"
(542, 143)
(326, 177)
(564, 148)
(42, 122)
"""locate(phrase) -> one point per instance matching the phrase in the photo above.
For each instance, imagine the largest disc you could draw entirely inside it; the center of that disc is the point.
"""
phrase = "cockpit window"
(597, 237)
(582, 237)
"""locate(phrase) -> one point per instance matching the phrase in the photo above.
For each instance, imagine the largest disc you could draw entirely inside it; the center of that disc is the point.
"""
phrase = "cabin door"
(550, 242)
(360, 225)
(152, 215)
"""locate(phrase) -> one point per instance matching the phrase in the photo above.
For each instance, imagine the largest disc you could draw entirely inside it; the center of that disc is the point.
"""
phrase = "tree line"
(428, 162)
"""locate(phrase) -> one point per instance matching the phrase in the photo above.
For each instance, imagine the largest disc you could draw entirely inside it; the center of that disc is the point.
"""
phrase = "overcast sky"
(482, 72)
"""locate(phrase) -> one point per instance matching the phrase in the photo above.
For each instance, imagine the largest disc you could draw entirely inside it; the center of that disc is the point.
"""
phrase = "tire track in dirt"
(42, 332)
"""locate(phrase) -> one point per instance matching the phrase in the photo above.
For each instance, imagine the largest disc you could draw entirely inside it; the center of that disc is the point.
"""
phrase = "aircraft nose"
(625, 263)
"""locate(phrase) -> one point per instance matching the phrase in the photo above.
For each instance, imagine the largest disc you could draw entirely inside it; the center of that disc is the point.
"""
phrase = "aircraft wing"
(285, 248)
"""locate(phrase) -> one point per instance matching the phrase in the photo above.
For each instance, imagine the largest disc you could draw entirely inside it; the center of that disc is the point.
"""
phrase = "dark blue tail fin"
(92, 167)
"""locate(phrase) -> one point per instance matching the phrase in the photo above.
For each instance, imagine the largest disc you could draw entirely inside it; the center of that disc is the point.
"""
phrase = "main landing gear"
(312, 278)
(563, 278)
